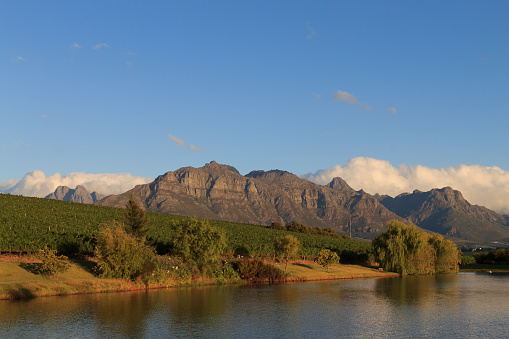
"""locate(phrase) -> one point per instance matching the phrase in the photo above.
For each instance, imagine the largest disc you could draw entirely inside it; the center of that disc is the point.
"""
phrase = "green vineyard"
(28, 224)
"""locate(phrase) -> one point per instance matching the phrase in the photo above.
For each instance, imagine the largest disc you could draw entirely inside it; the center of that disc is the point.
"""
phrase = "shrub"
(52, 263)
(276, 225)
(173, 268)
(196, 241)
(467, 260)
(122, 255)
(257, 270)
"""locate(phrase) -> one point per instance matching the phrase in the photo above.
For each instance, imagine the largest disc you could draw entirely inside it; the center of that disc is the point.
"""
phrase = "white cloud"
(20, 58)
(5, 186)
(75, 45)
(194, 148)
(485, 186)
(98, 46)
(349, 98)
(37, 184)
(177, 140)
(393, 110)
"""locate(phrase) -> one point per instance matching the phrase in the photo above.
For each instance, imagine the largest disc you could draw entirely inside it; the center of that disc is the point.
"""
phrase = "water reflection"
(420, 290)
(465, 305)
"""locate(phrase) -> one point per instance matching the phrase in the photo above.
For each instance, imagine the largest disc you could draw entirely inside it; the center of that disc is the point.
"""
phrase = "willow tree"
(407, 250)
(446, 254)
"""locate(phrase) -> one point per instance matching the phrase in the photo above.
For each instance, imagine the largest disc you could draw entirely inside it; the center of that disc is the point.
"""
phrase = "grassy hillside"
(29, 224)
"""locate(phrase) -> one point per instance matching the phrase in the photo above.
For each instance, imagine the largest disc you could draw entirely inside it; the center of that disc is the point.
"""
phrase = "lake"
(466, 305)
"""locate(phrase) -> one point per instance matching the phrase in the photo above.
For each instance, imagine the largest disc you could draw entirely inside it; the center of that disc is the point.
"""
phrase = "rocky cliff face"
(80, 195)
(220, 192)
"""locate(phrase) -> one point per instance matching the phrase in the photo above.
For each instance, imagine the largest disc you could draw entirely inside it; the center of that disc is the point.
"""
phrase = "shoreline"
(18, 283)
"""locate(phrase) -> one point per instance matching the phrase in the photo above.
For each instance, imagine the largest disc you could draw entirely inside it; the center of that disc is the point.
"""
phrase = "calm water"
(465, 305)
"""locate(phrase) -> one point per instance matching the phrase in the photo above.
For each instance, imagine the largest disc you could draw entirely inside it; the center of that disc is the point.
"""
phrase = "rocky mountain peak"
(214, 166)
(340, 184)
(79, 194)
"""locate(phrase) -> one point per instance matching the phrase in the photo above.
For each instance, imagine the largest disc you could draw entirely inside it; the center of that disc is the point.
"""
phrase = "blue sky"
(100, 86)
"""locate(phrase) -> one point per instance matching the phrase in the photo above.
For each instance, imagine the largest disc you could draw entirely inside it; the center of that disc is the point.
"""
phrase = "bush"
(257, 270)
(467, 260)
(276, 225)
(172, 268)
(52, 263)
(122, 255)
(499, 257)
(196, 241)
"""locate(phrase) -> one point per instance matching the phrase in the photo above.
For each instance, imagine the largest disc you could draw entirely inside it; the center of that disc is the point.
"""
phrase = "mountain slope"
(220, 192)
(445, 211)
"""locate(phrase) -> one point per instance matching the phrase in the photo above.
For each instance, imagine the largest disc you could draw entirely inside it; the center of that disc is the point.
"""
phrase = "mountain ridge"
(79, 195)
(261, 197)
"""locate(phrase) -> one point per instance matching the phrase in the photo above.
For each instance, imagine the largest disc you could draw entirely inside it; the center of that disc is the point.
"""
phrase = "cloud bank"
(485, 186)
(37, 184)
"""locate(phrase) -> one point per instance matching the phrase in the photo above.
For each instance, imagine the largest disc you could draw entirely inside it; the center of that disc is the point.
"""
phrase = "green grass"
(20, 281)
(311, 271)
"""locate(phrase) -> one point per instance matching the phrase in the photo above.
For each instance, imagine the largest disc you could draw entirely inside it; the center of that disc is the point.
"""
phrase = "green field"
(28, 224)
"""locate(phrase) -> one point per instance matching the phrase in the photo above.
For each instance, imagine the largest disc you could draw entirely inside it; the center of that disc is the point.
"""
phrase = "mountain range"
(80, 194)
(220, 192)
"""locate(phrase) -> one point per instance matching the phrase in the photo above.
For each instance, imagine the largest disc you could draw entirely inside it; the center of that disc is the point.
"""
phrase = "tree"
(286, 248)
(135, 219)
(326, 258)
(199, 242)
(297, 227)
(276, 225)
(122, 255)
(447, 256)
(407, 250)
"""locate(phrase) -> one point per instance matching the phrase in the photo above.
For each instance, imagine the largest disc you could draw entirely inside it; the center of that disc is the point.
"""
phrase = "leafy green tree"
(326, 258)
(122, 255)
(199, 242)
(135, 219)
(407, 250)
(399, 248)
(447, 256)
(286, 248)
